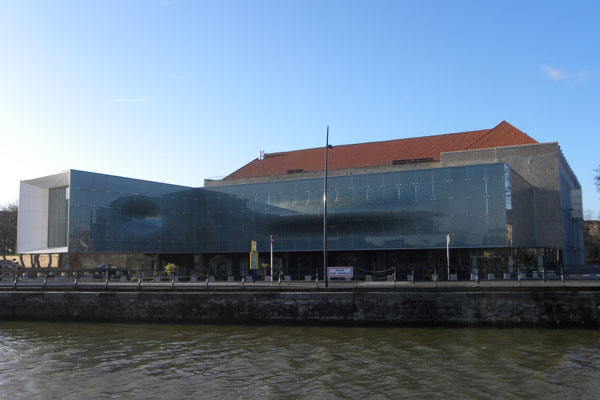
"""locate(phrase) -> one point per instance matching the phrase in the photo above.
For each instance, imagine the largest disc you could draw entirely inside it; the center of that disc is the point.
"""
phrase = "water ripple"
(131, 361)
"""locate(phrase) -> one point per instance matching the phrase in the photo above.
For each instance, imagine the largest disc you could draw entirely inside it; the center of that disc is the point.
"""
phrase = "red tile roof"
(389, 152)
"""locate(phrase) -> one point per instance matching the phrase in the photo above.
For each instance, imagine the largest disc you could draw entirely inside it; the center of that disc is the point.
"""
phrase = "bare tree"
(8, 229)
(588, 214)
(597, 179)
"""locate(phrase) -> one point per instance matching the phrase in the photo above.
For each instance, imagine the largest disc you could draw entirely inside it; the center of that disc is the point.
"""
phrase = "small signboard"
(340, 272)
(253, 260)
(253, 245)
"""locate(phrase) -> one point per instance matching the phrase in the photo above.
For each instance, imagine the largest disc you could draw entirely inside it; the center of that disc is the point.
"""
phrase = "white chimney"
(261, 155)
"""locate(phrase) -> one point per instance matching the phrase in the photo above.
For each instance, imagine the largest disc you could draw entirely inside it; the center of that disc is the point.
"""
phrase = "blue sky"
(178, 91)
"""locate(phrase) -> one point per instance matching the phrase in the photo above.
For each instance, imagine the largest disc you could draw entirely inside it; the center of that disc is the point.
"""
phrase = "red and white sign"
(340, 272)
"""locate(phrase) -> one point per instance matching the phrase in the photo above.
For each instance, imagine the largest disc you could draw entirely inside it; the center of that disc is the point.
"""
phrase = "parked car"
(113, 271)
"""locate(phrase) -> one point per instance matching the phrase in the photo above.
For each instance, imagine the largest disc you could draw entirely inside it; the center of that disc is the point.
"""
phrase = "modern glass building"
(376, 219)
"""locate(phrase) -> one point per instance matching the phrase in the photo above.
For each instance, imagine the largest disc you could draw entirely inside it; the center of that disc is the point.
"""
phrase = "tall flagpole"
(325, 211)
(448, 253)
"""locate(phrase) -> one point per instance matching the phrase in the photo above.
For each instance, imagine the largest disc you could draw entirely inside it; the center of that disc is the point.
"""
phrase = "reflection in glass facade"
(479, 205)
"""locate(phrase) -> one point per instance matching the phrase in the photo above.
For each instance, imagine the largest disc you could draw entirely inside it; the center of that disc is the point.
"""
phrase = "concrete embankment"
(525, 307)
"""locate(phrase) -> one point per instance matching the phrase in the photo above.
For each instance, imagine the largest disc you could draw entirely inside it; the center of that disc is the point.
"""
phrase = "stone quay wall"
(558, 307)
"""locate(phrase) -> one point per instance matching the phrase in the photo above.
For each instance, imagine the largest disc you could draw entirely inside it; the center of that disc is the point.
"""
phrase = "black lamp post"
(327, 147)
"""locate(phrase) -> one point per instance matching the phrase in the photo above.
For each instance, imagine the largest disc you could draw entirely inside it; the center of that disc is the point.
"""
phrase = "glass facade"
(122, 215)
(478, 205)
(521, 218)
(58, 208)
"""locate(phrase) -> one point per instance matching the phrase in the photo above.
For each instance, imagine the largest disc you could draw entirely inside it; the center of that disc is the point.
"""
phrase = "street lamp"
(327, 147)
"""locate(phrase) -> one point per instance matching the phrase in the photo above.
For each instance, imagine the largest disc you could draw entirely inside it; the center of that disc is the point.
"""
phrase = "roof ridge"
(489, 132)
(479, 138)
(383, 141)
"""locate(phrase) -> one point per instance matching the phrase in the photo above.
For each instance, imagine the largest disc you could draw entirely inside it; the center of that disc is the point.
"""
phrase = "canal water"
(47, 360)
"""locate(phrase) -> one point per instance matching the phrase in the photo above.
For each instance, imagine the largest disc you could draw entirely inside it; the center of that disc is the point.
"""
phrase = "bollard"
(562, 276)
(519, 275)
(15, 281)
(206, 284)
(140, 274)
(76, 280)
(279, 281)
(317, 280)
(106, 281)
(477, 277)
(172, 281)
(243, 281)
(413, 276)
(544, 274)
(45, 281)
(394, 277)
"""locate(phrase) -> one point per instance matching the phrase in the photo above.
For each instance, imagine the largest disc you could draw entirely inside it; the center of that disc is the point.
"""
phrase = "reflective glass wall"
(393, 210)
(58, 208)
(122, 215)
(520, 212)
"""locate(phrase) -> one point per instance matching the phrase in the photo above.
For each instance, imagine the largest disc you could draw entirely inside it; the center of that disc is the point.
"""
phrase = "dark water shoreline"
(292, 324)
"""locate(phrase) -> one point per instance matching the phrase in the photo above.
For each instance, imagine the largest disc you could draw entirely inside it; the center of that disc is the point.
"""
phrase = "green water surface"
(46, 360)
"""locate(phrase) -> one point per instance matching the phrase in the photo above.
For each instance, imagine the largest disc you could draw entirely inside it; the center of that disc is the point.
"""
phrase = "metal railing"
(391, 277)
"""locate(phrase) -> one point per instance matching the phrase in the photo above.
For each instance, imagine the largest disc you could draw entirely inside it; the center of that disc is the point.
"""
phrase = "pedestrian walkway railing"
(387, 277)
(374, 275)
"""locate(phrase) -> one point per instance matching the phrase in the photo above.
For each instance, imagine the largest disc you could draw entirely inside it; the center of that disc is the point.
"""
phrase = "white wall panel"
(32, 226)
(32, 229)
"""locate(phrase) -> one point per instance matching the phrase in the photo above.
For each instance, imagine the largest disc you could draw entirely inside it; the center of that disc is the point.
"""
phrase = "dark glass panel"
(58, 208)
(375, 194)
(407, 192)
(423, 176)
(440, 174)
(442, 190)
(476, 187)
(423, 191)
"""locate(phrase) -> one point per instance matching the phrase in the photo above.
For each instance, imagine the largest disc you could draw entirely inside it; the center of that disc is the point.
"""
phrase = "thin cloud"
(558, 75)
(126, 100)
(584, 73)
(553, 73)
